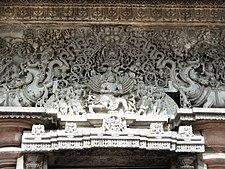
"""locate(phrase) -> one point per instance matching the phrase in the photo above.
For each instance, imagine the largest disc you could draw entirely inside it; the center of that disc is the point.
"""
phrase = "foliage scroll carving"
(113, 69)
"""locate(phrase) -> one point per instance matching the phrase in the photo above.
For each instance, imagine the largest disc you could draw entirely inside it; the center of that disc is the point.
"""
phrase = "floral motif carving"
(191, 12)
(113, 69)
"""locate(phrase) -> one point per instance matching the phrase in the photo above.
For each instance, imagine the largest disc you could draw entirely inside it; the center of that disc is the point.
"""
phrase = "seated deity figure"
(109, 99)
(109, 83)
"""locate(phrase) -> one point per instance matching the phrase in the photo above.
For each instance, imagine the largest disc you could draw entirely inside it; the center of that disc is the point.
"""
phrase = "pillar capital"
(213, 132)
(8, 157)
(214, 160)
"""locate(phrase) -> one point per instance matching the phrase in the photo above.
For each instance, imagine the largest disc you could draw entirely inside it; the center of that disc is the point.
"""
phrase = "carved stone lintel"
(135, 12)
(135, 73)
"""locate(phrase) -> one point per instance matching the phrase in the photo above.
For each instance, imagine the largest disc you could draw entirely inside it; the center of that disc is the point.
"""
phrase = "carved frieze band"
(75, 138)
(154, 2)
(113, 13)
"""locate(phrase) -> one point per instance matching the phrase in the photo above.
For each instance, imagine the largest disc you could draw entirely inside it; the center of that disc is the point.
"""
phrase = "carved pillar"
(8, 157)
(10, 141)
(186, 161)
(214, 160)
(214, 134)
(35, 161)
(11, 131)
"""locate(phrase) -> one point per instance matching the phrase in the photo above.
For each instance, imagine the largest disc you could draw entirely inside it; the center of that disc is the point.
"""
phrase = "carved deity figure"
(144, 99)
(110, 83)
(69, 101)
(152, 100)
(158, 106)
(106, 103)
(107, 93)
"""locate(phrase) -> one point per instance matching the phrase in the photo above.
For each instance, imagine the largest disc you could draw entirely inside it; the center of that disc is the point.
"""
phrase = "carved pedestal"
(10, 140)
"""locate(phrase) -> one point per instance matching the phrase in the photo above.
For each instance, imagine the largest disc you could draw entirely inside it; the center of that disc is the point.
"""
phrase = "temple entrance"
(111, 159)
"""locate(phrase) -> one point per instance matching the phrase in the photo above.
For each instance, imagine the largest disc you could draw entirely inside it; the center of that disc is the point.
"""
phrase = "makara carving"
(113, 69)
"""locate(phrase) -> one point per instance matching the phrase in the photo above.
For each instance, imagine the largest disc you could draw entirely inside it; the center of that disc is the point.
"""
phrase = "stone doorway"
(111, 159)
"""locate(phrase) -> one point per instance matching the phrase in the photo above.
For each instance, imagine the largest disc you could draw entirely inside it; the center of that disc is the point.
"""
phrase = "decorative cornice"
(196, 114)
(153, 2)
(112, 13)
(75, 138)
(38, 115)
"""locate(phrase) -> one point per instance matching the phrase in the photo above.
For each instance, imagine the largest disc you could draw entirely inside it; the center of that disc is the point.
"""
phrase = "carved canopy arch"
(112, 68)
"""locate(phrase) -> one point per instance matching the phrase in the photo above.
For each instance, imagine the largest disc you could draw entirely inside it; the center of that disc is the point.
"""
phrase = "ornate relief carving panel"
(113, 73)
(113, 69)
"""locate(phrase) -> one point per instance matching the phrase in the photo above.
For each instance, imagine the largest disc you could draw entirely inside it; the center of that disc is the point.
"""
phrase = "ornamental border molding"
(38, 114)
(112, 13)
(195, 114)
(41, 141)
(155, 2)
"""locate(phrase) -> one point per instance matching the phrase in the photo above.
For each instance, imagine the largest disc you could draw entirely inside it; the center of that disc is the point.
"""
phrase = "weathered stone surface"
(141, 12)
(214, 160)
(213, 132)
(8, 157)
(128, 70)
(11, 131)
(114, 84)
